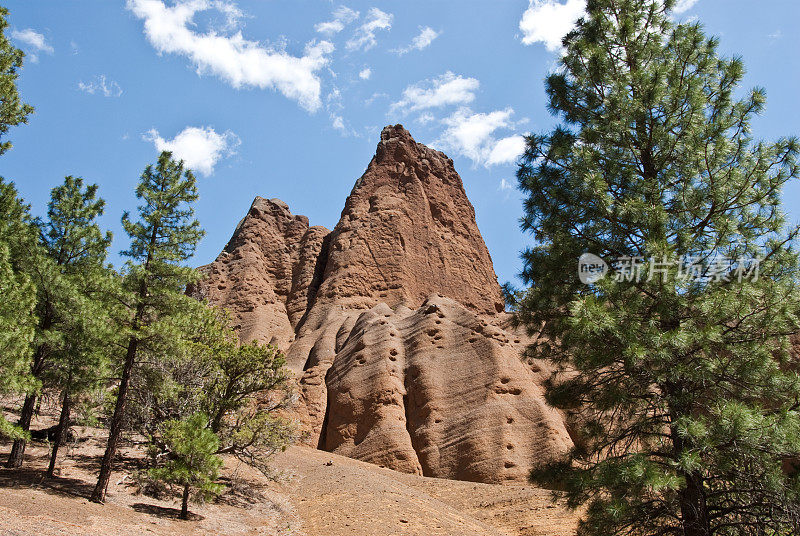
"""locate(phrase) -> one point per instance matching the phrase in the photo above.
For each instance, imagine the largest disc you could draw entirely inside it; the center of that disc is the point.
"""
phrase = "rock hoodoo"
(393, 324)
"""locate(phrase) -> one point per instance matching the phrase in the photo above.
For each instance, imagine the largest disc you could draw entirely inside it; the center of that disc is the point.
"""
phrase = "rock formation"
(393, 324)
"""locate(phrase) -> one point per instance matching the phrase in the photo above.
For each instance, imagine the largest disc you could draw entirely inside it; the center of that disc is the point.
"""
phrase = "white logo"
(591, 268)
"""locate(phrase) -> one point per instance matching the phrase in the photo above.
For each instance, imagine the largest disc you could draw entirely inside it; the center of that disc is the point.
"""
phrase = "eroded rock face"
(393, 324)
(440, 392)
(264, 274)
(408, 230)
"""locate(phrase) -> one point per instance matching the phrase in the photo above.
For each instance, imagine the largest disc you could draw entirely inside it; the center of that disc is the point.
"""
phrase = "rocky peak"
(407, 231)
(393, 324)
(263, 275)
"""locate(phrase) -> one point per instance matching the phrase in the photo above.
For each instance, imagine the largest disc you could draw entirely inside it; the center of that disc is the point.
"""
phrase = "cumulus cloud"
(102, 86)
(684, 5)
(423, 40)
(548, 21)
(33, 41)
(506, 150)
(200, 148)
(364, 36)
(234, 59)
(473, 135)
(365, 73)
(444, 90)
(341, 18)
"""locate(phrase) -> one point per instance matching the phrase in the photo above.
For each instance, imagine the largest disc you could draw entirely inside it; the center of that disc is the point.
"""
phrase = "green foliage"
(17, 298)
(241, 388)
(687, 393)
(12, 110)
(158, 311)
(165, 235)
(75, 287)
(191, 460)
(17, 228)
(246, 391)
(76, 292)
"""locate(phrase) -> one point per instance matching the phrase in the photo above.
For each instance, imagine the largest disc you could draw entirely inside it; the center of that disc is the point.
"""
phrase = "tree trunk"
(63, 426)
(115, 431)
(26, 415)
(185, 503)
(692, 498)
(17, 455)
(694, 512)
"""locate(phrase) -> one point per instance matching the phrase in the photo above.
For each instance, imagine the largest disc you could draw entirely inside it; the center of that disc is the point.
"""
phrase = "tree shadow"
(36, 478)
(164, 512)
(121, 463)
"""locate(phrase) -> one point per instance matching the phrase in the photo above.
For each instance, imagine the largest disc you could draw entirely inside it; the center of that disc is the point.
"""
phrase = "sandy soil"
(317, 494)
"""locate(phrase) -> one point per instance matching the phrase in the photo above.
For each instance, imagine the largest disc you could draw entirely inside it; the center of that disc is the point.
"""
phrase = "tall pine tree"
(78, 294)
(17, 244)
(67, 270)
(680, 368)
(164, 236)
(17, 300)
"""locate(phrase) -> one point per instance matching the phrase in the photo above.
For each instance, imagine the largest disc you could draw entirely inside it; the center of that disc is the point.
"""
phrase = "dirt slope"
(318, 494)
(353, 497)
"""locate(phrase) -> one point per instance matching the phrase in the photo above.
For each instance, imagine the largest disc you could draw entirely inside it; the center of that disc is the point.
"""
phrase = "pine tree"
(17, 299)
(67, 270)
(164, 236)
(192, 462)
(77, 296)
(17, 296)
(241, 387)
(243, 395)
(17, 243)
(678, 365)
(12, 110)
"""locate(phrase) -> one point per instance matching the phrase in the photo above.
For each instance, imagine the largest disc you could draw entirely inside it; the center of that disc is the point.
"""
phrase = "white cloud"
(365, 73)
(472, 135)
(102, 86)
(548, 21)
(364, 36)
(335, 108)
(444, 90)
(375, 96)
(341, 18)
(506, 150)
(504, 185)
(33, 41)
(684, 5)
(238, 61)
(423, 40)
(425, 118)
(200, 148)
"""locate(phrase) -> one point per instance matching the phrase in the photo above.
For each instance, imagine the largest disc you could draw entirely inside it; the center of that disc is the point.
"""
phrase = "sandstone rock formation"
(393, 323)
(264, 274)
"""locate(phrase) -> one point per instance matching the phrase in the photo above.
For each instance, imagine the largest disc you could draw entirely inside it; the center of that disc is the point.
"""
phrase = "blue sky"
(282, 98)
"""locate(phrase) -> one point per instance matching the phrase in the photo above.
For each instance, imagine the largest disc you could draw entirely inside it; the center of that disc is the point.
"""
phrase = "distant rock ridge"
(393, 323)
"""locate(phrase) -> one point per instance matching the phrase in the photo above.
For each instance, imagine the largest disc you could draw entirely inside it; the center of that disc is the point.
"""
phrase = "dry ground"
(318, 494)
